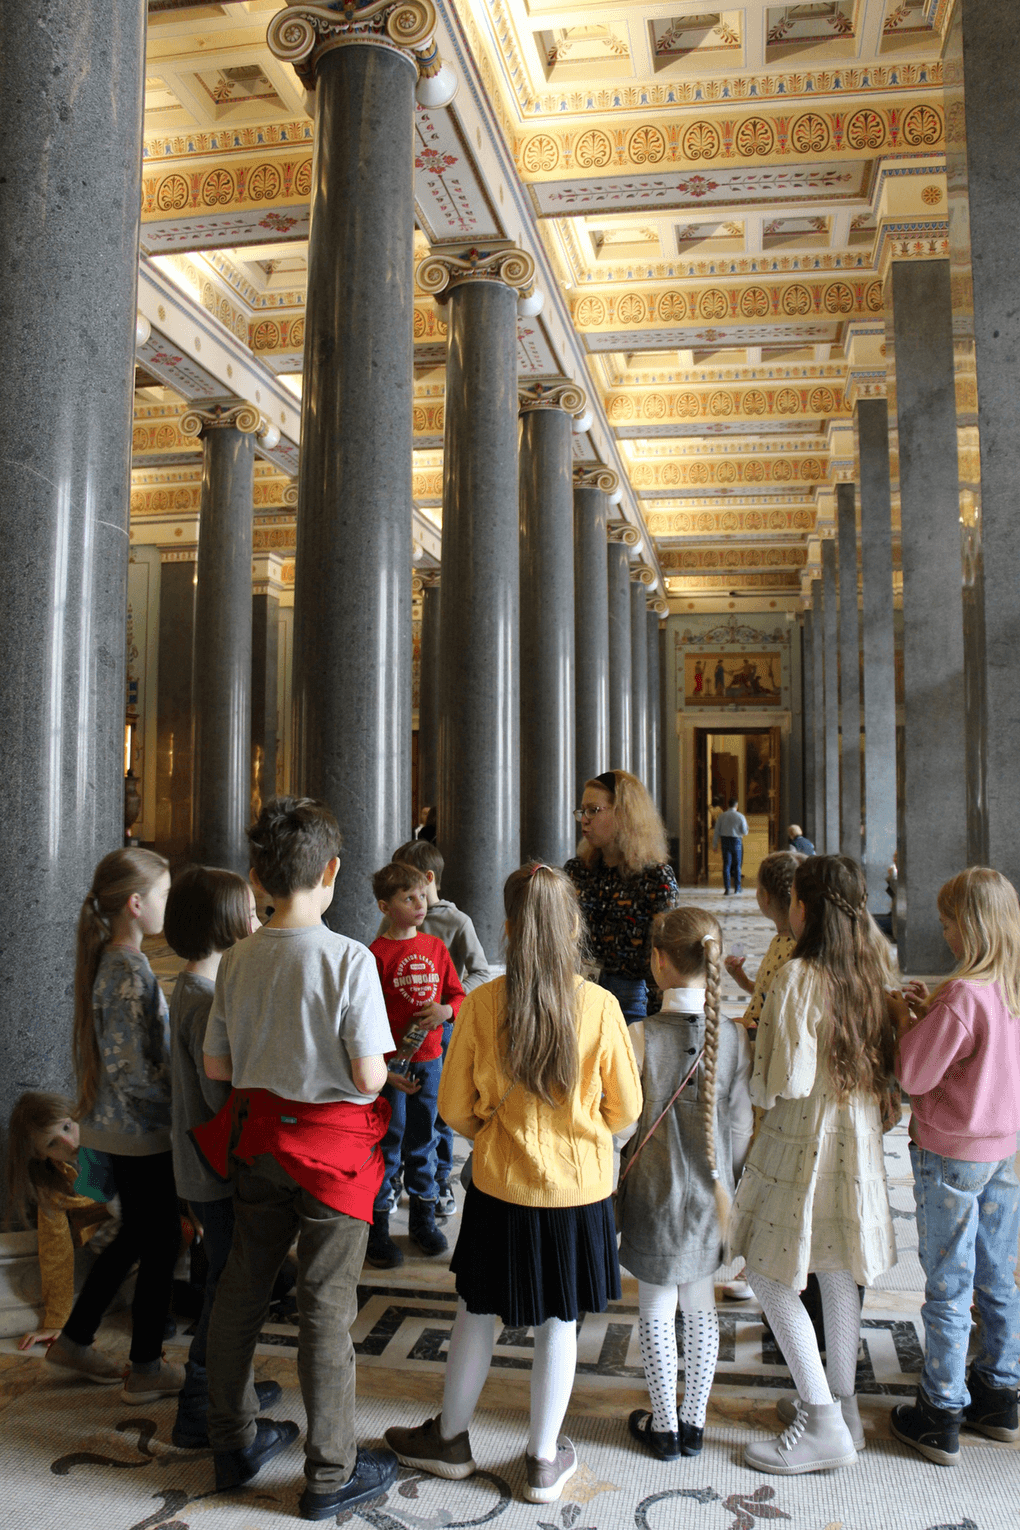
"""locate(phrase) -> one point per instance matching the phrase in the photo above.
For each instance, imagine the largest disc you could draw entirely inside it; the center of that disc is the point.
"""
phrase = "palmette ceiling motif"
(713, 199)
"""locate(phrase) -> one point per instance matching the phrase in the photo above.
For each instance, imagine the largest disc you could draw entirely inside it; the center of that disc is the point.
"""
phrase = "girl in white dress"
(813, 1194)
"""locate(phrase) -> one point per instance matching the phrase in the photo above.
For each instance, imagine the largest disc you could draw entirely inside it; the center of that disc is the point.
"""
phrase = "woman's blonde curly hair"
(640, 833)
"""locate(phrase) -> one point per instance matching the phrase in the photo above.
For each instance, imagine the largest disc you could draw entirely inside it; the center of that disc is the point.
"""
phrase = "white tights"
(795, 1335)
(657, 1334)
(552, 1377)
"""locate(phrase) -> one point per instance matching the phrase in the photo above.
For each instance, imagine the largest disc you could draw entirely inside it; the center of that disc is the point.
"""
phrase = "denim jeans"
(732, 847)
(444, 1133)
(632, 994)
(968, 1220)
(217, 1219)
(411, 1134)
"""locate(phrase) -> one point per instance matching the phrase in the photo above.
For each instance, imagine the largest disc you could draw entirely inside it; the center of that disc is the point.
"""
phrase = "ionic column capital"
(442, 272)
(424, 579)
(290, 494)
(200, 419)
(658, 605)
(560, 393)
(303, 34)
(640, 573)
(623, 531)
(587, 477)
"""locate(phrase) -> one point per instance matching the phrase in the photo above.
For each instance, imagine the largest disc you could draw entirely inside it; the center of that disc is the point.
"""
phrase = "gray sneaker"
(546, 1479)
(89, 1363)
(166, 1382)
(425, 1448)
(787, 1407)
(446, 1201)
(817, 1441)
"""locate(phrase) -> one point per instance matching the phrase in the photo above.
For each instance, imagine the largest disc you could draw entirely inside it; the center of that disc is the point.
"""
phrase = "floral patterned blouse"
(131, 1114)
(618, 913)
(777, 955)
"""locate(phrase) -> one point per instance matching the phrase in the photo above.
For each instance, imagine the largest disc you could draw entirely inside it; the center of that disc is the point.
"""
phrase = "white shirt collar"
(684, 1001)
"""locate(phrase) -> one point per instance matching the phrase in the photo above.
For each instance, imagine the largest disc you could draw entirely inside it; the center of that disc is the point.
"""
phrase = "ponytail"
(118, 875)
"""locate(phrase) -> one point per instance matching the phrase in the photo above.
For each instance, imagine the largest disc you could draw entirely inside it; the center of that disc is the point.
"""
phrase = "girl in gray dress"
(671, 1203)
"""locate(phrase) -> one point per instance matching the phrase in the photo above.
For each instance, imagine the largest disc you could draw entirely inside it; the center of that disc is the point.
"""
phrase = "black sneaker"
(991, 1410)
(935, 1432)
(235, 1467)
(421, 1225)
(382, 1253)
(375, 1471)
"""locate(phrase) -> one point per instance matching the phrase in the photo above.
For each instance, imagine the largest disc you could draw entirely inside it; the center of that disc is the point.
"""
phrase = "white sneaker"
(787, 1407)
(817, 1441)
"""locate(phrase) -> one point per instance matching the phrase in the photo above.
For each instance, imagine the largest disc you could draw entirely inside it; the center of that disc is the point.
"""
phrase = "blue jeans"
(217, 1219)
(411, 1134)
(968, 1220)
(632, 994)
(732, 847)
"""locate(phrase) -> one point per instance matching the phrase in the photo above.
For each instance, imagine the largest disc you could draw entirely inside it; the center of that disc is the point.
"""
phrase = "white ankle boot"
(787, 1407)
(818, 1440)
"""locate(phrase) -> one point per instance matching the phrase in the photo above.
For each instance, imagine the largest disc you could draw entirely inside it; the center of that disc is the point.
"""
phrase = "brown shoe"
(88, 1363)
(546, 1479)
(166, 1382)
(425, 1448)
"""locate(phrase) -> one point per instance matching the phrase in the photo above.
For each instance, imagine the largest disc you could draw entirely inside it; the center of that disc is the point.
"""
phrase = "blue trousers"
(968, 1219)
(732, 847)
(411, 1134)
(632, 994)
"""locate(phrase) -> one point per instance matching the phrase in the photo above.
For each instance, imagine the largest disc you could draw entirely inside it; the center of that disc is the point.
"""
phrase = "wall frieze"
(784, 470)
(691, 558)
(727, 522)
(723, 403)
(764, 136)
(218, 189)
(738, 579)
(226, 141)
(727, 302)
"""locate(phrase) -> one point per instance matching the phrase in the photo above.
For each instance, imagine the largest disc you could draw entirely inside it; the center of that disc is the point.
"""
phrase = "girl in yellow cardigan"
(43, 1167)
(540, 1074)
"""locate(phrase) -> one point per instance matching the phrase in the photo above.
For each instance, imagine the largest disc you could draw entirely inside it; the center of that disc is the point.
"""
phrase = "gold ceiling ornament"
(442, 271)
(290, 494)
(303, 34)
(559, 394)
(641, 574)
(243, 417)
(623, 531)
(596, 478)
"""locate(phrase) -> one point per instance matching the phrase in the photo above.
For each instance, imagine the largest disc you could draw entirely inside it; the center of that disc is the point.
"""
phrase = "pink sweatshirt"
(960, 1066)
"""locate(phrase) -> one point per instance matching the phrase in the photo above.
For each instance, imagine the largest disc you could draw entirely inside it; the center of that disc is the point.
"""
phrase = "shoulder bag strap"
(648, 1135)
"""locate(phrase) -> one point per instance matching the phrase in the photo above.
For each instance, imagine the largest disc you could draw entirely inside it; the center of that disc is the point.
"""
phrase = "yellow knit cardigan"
(528, 1152)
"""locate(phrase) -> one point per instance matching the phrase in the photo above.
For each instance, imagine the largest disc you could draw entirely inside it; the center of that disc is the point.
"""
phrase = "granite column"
(818, 714)
(352, 593)
(849, 676)
(639, 698)
(934, 806)
(428, 692)
(830, 627)
(655, 708)
(223, 613)
(265, 659)
(620, 671)
(69, 197)
(592, 487)
(547, 620)
(871, 432)
(479, 708)
(808, 820)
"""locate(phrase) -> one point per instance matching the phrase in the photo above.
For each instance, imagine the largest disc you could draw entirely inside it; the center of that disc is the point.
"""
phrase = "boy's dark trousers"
(270, 1210)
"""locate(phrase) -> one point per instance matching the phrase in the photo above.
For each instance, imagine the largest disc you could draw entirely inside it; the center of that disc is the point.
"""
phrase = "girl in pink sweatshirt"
(959, 1061)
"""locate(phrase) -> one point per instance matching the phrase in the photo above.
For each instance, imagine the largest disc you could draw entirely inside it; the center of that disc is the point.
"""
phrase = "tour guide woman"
(623, 880)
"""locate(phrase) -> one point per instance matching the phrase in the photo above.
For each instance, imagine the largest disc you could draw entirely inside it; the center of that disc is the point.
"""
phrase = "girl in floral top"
(775, 882)
(623, 880)
(122, 1063)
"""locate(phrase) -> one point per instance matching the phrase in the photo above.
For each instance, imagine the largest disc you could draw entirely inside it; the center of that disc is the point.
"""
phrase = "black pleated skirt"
(530, 1263)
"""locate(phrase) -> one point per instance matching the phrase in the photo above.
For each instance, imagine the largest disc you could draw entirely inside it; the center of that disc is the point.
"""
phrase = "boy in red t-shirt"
(421, 989)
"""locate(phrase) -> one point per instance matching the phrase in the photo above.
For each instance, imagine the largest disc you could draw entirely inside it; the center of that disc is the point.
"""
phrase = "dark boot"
(190, 1431)
(235, 1467)
(382, 1253)
(935, 1432)
(421, 1225)
(992, 1410)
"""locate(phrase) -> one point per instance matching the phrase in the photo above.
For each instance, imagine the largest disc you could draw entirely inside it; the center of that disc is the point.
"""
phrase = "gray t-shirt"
(194, 1098)
(292, 1007)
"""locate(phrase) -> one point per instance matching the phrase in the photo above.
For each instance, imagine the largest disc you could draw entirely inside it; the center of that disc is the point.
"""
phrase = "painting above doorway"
(728, 679)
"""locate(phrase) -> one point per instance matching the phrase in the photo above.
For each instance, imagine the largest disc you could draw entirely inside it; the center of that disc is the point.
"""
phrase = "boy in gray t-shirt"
(299, 1026)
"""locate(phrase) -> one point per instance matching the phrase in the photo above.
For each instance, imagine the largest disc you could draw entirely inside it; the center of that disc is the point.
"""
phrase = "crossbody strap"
(644, 1142)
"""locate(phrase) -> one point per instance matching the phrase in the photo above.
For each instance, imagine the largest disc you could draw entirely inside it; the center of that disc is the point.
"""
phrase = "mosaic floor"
(74, 1456)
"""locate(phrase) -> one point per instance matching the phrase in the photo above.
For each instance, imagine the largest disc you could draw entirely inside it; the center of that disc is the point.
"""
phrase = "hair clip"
(538, 866)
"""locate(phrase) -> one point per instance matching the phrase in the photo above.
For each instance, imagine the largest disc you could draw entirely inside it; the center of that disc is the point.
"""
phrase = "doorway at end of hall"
(741, 763)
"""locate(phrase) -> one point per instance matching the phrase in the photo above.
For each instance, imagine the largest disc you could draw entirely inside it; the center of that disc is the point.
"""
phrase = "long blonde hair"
(115, 879)
(31, 1179)
(640, 832)
(691, 940)
(987, 913)
(543, 957)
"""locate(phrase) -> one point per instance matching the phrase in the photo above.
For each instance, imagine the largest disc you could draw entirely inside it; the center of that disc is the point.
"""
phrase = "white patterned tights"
(795, 1335)
(657, 1333)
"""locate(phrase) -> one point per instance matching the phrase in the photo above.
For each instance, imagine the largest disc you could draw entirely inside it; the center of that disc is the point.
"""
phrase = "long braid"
(713, 973)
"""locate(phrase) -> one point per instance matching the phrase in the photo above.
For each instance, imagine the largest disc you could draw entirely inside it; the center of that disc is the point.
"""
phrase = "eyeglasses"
(580, 814)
